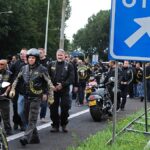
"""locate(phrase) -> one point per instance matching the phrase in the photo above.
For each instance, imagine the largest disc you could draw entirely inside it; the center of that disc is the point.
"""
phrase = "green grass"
(126, 141)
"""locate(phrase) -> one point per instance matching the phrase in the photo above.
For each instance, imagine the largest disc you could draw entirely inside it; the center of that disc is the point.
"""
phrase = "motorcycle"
(100, 103)
(3, 139)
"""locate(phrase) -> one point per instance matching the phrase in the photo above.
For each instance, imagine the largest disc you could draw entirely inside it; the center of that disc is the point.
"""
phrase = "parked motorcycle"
(100, 102)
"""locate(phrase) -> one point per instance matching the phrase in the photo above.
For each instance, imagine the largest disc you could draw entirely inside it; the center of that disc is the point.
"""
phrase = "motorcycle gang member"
(5, 76)
(18, 99)
(74, 87)
(127, 77)
(62, 76)
(37, 85)
(83, 74)
(44, 61)
(111, 73)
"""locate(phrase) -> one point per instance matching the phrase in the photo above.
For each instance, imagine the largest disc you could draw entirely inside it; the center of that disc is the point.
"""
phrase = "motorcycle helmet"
(33, 52)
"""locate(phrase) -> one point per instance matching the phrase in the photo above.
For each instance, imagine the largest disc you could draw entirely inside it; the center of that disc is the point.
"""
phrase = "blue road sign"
(130, 30)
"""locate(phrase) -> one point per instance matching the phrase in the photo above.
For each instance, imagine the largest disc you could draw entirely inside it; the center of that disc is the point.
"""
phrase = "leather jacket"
(15, 69)
(61, 72)
(111, 73)
(35, 80)
(127, 75)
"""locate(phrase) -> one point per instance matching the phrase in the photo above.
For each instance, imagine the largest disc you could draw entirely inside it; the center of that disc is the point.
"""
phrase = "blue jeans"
(140, 89)
(21, 108)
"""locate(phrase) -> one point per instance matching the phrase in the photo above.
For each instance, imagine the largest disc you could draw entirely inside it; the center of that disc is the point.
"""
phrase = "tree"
(26, 26)
(95, 36)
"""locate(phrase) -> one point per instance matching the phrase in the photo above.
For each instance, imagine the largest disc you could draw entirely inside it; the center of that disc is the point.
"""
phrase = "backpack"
(82, 72)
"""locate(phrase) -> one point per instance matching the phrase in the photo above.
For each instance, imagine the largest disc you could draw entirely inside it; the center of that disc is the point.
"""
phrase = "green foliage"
(126, 140)
(95, 35)
(25, 27)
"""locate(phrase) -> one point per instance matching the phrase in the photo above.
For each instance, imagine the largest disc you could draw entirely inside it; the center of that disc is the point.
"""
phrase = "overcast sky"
(81, 11)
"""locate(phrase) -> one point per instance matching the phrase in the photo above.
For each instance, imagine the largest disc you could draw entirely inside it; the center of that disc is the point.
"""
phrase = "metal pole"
(127, 126)
(46, 31)
(115, 102)
(145, 97)
(61, 42)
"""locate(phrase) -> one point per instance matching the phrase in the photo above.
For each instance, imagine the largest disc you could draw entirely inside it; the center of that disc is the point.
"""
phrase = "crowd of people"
(38, 83)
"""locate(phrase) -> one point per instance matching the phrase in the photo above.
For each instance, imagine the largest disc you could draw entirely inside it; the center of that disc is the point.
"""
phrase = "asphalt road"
(80, 127)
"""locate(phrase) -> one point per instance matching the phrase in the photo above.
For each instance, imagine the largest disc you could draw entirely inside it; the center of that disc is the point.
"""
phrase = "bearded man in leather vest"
(62, 76)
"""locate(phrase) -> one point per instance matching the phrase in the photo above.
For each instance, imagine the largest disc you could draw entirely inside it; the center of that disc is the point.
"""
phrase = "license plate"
(92, 103)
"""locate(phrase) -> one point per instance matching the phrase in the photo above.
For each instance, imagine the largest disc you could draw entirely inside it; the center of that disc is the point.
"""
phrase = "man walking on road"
(127, 77)
(62, 76)
(18, 100)
(44, 61)
(37, 85)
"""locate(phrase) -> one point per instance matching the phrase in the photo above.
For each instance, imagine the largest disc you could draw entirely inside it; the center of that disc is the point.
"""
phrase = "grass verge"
(126, 141)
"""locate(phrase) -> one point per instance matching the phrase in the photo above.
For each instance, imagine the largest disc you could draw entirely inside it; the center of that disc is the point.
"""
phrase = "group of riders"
(38, 82)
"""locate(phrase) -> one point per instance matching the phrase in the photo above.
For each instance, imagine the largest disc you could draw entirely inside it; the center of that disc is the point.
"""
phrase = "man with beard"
(62, 76)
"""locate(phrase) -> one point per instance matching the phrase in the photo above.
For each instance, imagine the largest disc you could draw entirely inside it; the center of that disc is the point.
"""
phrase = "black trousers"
(124, 92)
(118, 99)
(16, 117)
(81, 93)
(111, 93)
(31, 107)
(60, 99)
(130, 90)
(5, 111)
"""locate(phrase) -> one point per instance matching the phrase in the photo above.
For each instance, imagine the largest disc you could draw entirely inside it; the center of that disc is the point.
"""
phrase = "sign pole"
(145, 97)
(115, 102)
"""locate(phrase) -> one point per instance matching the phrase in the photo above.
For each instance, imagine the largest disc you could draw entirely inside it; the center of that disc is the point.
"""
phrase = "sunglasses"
(2, 64)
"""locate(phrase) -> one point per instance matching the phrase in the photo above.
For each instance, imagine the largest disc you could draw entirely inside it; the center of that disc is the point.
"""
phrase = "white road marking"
(18, 135)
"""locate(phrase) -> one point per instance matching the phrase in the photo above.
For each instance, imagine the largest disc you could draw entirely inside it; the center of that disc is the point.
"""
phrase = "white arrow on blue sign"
(130, 30)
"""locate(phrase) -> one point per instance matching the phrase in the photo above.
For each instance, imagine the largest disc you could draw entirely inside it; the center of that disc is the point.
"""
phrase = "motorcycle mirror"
(5, 84)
